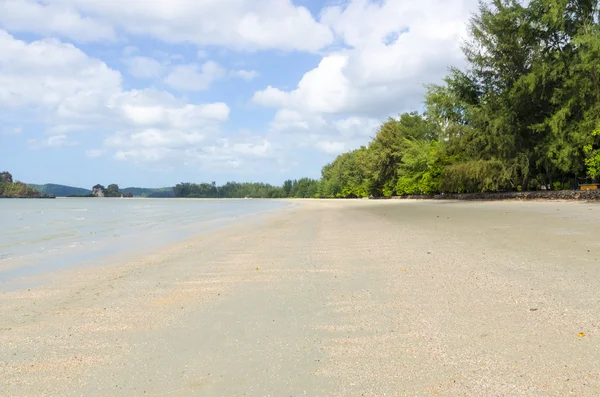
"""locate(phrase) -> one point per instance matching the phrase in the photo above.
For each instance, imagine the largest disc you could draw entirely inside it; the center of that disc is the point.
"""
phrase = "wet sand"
(328, 298)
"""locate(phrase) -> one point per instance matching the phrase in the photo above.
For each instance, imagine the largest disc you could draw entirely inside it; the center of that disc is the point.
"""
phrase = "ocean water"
(38, 237)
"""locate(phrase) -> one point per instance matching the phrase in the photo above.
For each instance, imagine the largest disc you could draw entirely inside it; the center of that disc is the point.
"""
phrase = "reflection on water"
(40, 236)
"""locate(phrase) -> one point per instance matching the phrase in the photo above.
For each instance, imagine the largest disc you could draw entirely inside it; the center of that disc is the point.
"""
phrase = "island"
(111, 191)
(16, 189)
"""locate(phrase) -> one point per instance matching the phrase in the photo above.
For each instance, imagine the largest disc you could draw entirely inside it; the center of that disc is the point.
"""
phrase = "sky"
(153, 93)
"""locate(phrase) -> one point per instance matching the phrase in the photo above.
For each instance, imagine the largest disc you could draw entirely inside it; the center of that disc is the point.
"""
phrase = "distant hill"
(64, 191)
(150, 192)
(60, 190)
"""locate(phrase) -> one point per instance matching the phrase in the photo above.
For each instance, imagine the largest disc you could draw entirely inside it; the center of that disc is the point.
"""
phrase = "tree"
(6, 177)
(287, 187)
(112, 191)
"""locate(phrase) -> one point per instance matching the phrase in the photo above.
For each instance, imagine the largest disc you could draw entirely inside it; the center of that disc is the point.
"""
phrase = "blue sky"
(155, 93)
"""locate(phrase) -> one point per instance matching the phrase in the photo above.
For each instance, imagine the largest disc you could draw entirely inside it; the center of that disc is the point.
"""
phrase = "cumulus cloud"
(331, 147)
(395, 47)
(52, 74)
(157, 127)
(73, 92)
(150, 107)
(52, 19)
(238, 24)
(193, 77)
(144, 67)
(324, 133)
(247, 75)
(233, 153)
(325, 89)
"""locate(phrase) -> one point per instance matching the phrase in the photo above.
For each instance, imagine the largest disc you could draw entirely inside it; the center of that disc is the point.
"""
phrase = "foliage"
(16, 189)
(6, 177)
(592, 160)
(111, 191)
(150, 192)
(347, 176)
(301, 188)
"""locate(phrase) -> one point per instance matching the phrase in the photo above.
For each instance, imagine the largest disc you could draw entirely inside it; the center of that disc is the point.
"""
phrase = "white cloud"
(331, 147)
(271, 97)
(168, 147)
(287, 120)
(327, 134)
(353, 127)
(52, 19)
(73, 92)
(155, 108)
(157, 127)
(192, 77)
(238, 24)
(231, 153)
(247, 75)
(378, 76)
(324, 90)
(144, 155)
(53, 75)
(144, 67)
(154, 138)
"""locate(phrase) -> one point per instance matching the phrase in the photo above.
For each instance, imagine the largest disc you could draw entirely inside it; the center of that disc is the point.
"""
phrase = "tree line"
(301, 188)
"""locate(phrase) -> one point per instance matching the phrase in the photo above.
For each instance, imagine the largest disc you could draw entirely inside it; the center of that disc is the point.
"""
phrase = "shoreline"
(25, 272)
(558, 195)
(329, 297)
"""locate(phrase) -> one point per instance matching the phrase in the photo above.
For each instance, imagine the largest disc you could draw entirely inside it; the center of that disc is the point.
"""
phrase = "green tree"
(287, 187)
(112, 191)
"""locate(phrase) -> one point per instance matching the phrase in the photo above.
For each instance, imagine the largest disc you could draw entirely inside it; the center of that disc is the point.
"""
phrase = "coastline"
(37, 268)
(45, 196)
(558, 195)
(329, 297)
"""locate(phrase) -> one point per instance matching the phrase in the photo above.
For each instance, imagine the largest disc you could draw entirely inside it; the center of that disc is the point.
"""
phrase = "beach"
(326, 298)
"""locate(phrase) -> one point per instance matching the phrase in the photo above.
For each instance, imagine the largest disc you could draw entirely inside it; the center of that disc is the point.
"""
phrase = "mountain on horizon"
(64, 190)
(60, 190)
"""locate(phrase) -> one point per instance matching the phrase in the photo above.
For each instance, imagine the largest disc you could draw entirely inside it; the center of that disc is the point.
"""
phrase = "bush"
(406, 186)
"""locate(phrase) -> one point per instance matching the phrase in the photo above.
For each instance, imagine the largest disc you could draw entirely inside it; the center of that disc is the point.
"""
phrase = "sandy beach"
(327, 298)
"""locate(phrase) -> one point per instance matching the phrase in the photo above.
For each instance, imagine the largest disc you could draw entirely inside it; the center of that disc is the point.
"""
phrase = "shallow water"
(38, 237)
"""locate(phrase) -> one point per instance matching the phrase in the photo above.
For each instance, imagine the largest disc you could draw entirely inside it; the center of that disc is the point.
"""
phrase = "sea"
(41, 236)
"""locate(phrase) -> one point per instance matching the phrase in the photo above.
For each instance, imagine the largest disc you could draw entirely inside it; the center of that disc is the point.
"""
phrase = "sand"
(328, 298)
